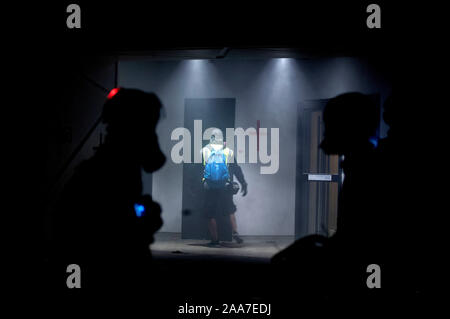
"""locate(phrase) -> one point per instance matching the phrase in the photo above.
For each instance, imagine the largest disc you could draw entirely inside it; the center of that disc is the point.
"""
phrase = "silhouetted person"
(350, 126)
(407, 226)
(97, 223)
(392, 161)
(351, 121)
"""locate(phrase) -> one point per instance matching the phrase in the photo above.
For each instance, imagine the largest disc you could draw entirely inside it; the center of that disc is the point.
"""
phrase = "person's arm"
(236, 170)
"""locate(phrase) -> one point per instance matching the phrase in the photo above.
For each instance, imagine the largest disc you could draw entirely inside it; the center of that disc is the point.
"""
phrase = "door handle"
(322, 177)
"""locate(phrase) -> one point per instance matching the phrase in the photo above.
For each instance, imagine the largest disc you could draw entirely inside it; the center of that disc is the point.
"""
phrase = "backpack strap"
(225, 158)
(207, 147)
(226, 152)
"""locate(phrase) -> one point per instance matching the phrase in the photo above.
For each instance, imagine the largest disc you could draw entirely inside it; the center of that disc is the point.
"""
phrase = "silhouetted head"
(131, 116)
(216, 136)
(350, 120)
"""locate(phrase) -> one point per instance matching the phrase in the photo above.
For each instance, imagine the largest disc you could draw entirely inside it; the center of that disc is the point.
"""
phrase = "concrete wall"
(266, 90)
(74, 102)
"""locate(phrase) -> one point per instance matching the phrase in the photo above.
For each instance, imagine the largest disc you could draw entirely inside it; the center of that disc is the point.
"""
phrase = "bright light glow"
(139, 209)
(112, 93)
(196, 62)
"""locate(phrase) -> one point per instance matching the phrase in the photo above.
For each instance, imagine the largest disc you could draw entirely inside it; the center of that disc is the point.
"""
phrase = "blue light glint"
(374, 141)
(139, 209)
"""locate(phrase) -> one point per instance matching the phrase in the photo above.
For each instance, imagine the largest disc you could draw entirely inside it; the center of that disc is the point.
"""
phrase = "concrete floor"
(260, 247)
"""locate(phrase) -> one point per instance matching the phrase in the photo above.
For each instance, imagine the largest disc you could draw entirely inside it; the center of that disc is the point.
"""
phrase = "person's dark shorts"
(218, 202)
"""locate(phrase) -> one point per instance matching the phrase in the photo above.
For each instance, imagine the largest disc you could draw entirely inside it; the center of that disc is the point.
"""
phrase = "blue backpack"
(216, 169)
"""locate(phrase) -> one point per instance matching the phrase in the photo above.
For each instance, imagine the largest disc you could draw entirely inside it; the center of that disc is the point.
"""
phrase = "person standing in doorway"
(219, 167)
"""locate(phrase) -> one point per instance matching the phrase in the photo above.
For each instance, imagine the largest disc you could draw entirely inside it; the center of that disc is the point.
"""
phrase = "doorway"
(318, 177)
(216, 112)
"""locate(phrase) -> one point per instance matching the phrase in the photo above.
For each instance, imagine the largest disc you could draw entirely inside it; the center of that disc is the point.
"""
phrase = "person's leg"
(235, 233)
(210, 208)
(212, 225)
(233, 223)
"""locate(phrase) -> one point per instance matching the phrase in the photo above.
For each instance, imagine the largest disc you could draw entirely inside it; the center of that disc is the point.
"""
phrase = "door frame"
(302, 218)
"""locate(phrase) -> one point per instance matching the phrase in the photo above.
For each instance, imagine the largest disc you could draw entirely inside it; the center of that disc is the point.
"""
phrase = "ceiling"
(230, 53)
